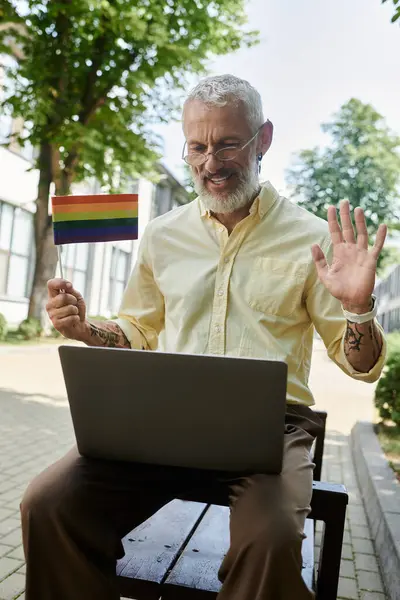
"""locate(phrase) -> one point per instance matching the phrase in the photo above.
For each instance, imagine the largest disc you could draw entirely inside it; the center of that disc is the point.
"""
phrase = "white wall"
(17, 185)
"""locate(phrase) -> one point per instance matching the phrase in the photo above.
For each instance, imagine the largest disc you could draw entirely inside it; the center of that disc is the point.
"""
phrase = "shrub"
(393, 342)
(3, 327)
(30, 328)
(53, 333)
(387, 394)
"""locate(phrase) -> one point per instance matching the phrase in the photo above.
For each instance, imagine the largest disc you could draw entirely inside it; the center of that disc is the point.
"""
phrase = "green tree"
(188, 182)
(361, 164)
(396, 4)
(89, 77)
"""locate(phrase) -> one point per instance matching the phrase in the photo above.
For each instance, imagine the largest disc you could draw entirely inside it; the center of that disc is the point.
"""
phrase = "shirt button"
(226, 260)
(218, 328)
(221, 229)
(220, 292)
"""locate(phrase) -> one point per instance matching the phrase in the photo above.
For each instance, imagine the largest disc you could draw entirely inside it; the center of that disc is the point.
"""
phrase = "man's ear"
(265, 139)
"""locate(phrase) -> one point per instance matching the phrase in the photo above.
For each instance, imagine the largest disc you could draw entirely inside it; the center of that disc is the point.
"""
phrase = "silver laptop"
(207, 412)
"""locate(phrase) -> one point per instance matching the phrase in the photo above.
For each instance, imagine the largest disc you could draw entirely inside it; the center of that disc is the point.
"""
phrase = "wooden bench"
(176, 553)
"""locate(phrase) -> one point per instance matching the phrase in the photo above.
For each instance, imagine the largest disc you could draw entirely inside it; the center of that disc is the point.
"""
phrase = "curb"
(381, 495)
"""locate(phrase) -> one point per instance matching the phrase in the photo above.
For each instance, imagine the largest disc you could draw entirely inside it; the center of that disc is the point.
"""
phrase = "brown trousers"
(75, 513)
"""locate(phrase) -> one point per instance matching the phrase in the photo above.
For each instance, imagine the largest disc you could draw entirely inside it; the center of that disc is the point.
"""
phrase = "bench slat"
(197, 567)
(199, 563)
(307, 553)
(152, 548)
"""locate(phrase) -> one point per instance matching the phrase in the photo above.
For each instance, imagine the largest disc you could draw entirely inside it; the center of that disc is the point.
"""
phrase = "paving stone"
(357, 515)
(360, 531)
(8, 565)
(372, 596)
(366, 562)
(17, 553)
(6, 485)
(12, 539)
(8, 525)
(4, 549)
(347, 537)
(12, 586)
(347, 569)
(347, 552)
(347, 589)
(363, 546)
(371, 582)
(5, 513)
(14, 504)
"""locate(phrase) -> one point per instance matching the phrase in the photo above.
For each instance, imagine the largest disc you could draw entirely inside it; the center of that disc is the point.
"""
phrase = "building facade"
(387, 292)
(99, 271)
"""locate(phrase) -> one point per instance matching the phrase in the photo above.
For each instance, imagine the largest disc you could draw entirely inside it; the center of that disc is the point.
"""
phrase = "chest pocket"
(275, 286)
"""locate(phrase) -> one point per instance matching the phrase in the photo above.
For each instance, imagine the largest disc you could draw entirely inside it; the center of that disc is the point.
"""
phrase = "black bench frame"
(328, 504)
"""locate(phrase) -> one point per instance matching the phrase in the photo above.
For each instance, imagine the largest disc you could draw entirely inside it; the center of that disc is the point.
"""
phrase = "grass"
(13, 338)
(389, 437)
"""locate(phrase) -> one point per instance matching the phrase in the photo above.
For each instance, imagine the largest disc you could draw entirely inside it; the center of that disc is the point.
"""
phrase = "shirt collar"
(261, 205)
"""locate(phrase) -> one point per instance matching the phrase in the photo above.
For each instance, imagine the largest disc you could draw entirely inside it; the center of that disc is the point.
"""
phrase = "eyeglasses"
(195, 159)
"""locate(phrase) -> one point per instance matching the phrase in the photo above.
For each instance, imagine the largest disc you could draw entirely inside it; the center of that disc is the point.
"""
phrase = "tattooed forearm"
(107, 334)
(353, 338)
(362, 345)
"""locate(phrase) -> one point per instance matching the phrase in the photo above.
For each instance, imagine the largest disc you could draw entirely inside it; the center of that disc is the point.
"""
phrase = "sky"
(313, 57)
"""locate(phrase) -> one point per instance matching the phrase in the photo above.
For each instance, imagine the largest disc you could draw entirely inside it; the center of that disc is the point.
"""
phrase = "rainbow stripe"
(100, 218)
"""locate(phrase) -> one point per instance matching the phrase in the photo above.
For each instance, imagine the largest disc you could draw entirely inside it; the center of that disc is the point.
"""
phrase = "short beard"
(248, 187)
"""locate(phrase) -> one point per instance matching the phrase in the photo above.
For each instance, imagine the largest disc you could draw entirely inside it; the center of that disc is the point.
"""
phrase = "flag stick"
(60, 261)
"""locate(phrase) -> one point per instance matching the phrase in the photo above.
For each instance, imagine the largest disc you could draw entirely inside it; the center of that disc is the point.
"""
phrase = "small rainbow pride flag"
(98, 218)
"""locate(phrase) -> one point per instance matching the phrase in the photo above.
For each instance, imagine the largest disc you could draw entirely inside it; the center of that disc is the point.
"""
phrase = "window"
(16, 255)
(163, 200)
(75, 260)
(118, 278)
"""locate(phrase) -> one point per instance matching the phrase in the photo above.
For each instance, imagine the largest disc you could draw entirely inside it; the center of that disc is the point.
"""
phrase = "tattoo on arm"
(375, 343)
(362, 345)
(352, 338)
(109, 335)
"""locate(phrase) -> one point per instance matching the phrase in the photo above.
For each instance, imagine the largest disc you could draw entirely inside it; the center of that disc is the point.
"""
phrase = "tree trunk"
(46, 251)
(45, 268)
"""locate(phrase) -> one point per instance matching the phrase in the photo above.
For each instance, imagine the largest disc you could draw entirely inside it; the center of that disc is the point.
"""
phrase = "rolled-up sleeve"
(326, 314)
(142, 311)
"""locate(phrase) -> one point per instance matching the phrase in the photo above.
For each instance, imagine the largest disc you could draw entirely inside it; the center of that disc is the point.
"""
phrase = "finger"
(319, 261)
(361, 228)
(63, 300)
(55, 285)
(379, 240)
(347, 225)
(66, 324)
(334, 227)
(65, 311)
(80, 302)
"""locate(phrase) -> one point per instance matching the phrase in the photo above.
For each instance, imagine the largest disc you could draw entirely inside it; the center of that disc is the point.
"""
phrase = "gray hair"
(223, 89)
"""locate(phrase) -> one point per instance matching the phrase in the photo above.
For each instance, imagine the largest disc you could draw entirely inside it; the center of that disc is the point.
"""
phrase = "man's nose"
(212, 164)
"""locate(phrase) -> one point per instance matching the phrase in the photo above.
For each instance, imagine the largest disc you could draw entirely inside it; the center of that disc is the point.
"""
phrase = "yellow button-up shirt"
(253, 293)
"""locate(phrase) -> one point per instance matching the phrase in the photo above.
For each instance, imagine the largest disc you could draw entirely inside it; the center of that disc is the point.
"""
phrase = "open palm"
(351, 276)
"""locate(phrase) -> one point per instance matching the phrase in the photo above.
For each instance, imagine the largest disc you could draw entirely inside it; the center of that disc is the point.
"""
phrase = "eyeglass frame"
(220, 150)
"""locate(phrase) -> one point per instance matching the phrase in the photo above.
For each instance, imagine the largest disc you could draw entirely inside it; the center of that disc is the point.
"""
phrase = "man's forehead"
(223, 120)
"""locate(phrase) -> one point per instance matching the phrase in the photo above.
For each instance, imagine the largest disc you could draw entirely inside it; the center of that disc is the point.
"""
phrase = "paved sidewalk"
(35, 430)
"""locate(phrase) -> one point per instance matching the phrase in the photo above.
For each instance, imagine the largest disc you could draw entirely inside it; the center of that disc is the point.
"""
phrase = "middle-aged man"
(240, 271)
